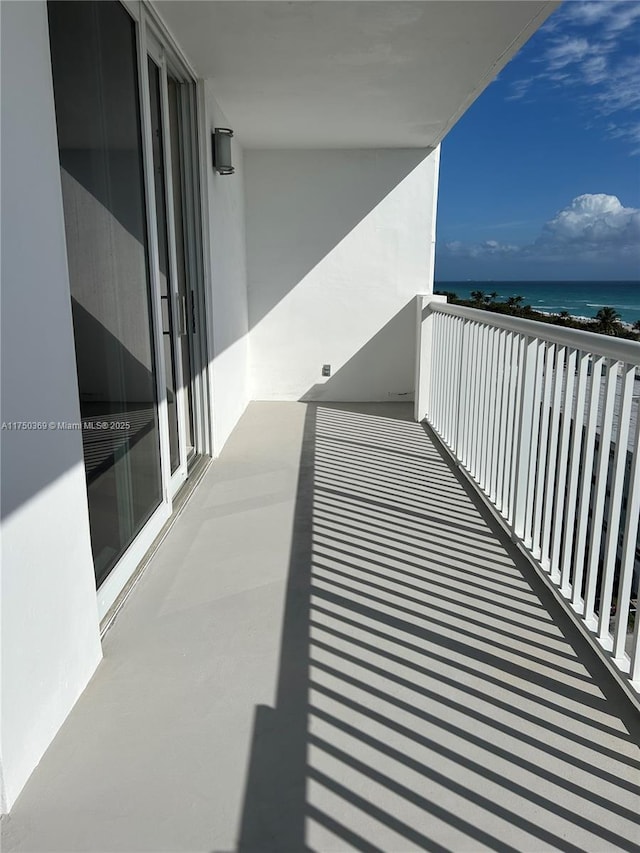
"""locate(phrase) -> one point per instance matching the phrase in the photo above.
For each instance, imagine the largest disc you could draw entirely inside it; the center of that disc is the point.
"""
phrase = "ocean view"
(580, 298)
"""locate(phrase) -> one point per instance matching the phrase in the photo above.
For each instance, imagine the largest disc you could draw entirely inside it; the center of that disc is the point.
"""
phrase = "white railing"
(544, 419)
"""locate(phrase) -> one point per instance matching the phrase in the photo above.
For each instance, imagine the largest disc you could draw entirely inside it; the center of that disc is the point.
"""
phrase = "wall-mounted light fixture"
(221, 150)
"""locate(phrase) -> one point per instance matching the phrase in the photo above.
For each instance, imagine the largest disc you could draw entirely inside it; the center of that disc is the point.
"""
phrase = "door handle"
(182, 319)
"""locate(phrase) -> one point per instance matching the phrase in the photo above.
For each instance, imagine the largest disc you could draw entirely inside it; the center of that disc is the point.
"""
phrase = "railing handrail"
(619, 349)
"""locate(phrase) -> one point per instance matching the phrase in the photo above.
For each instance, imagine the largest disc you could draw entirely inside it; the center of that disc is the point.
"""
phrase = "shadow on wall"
(337, 245)
(299, 207)
(432, 693)
(386, 360)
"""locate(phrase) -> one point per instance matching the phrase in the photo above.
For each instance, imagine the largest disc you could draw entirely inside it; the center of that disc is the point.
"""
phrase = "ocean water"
(580, 298)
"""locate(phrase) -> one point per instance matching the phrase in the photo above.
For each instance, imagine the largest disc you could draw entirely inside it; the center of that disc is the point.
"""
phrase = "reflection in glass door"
(173, 228)
(186, 301)
(95, 76)
(166, 290)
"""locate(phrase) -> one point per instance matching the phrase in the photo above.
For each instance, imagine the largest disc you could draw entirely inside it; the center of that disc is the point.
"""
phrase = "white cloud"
(594, 70)
(564, 51)
(622, 16)
(629, 132)
(622, 91)
(594, 226)
(612, 16)
(487, 248)
(593, 221)
(583, 45)
(520, 88)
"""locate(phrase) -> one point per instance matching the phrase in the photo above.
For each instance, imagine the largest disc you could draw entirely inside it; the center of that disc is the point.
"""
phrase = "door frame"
(152, 39)
(176, 65)
(156, 52)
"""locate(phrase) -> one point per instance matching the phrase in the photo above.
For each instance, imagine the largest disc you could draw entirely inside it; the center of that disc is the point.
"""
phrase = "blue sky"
(540, 179)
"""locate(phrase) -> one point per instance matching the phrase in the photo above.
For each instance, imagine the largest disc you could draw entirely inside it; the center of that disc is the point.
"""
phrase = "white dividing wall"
(227, 280)
(338, 244)
(50, 638)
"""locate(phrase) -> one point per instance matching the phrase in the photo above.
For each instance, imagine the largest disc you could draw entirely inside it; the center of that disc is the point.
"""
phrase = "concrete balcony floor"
(336, 649)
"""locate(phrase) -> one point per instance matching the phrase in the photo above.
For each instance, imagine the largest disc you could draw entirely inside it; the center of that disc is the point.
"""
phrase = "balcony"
(339, 647)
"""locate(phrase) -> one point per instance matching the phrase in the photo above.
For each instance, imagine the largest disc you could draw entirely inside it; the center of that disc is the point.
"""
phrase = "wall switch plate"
(326, 370)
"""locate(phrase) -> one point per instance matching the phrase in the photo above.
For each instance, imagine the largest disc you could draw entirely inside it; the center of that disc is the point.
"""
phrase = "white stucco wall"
(50, 640)
(338, 244)
(226, 279)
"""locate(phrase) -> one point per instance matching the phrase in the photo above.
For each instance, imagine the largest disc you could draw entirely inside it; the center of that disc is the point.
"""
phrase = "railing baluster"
(510, 369)
(455, 380)
(562, 466)
(493, 405)
(436, 379)
(451, 343)
(486, 474)
(488, 423)
(606, 425)
(464, 388)
(504, 417)
(476, 373)
(534, 446)
(484, 401)
(615, 498)
(442, 389)
(482, 375)
(481, 398)
(525, 435)
(471, 361)
(554, 428)
(549, 374)
(446, 352)
(495, 441)
(570, 531)
(446, 384)
(432, 411)
(519, 360)
(587, 476)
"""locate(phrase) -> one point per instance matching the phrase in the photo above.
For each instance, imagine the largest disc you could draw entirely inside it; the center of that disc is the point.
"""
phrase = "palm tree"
(477, 297)
(565, 319)
(491, 298)
(636, 326)
(608, 321)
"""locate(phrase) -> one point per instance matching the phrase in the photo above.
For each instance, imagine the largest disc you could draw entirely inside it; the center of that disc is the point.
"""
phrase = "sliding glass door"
(131, 243)
(178, 133)
(170, 138)
(95, 74)
(167, 276)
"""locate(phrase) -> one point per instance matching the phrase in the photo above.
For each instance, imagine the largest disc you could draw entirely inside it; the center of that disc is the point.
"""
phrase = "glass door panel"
(186, 327)
(95, 77)
(166, 292)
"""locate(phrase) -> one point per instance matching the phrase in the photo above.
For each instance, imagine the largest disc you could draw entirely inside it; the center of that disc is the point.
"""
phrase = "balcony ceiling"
(349, 74)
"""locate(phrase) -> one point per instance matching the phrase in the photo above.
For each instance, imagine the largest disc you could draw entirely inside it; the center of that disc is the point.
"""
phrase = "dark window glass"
(95, 77)
(165, 289)
(185, 294)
